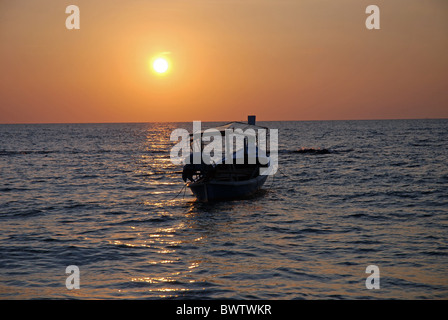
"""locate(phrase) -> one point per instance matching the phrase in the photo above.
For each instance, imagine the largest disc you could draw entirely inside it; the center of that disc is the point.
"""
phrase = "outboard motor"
(194, 172)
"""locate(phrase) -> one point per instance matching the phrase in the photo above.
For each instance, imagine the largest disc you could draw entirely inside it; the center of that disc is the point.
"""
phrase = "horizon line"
(315, 120)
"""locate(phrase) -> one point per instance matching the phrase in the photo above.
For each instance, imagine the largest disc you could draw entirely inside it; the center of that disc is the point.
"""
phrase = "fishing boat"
(235, 179)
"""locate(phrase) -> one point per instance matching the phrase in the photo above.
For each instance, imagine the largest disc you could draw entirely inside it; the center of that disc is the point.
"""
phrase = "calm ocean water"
(106, 198)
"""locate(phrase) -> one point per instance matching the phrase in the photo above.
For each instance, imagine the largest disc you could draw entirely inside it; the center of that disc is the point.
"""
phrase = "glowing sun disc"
(160, 65)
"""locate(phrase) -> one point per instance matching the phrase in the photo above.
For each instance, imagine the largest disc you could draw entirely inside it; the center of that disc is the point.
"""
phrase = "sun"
(160, 65)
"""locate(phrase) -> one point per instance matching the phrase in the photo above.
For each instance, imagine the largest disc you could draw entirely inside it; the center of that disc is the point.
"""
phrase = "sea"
(356, 210)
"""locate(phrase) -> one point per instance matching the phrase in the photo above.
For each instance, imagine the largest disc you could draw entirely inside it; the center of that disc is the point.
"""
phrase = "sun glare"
(160, 65)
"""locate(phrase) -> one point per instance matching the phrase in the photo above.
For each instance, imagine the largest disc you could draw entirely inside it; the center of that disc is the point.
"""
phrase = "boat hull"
(226, 190)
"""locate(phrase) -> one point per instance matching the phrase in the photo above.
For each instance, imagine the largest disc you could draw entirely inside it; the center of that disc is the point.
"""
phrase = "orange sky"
(278, 59)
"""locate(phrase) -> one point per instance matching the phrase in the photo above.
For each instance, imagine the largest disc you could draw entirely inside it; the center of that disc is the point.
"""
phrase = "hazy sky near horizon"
(278, 59)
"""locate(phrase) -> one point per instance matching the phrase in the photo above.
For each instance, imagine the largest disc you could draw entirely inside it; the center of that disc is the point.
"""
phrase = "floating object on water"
(312, 151)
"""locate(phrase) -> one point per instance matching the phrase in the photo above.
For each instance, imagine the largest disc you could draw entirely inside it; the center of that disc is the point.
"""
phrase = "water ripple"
(105, 197)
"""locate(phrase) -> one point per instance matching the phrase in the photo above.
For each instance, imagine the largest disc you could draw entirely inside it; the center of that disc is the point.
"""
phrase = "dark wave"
(316, 151)
(24, 152)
